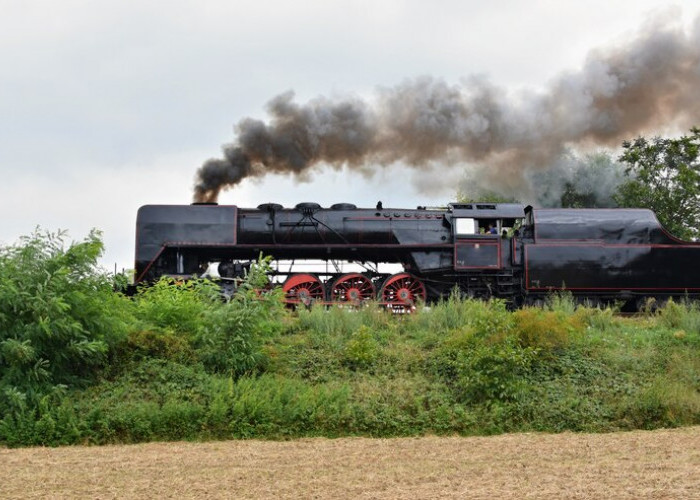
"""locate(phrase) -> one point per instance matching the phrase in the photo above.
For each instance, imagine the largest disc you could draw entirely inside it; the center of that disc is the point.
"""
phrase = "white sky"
(109, 105)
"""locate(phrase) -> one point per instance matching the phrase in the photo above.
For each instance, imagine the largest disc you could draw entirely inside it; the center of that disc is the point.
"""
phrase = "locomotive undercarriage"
(304, 282)
(399, 290)
(330, 281)
(478, 284)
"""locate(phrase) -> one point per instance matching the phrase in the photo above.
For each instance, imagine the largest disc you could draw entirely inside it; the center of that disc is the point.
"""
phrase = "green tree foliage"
(665, 177)
(62, 324)
(58, 315)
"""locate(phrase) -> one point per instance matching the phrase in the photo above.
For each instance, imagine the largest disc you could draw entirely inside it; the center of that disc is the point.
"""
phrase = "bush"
(483, 372)
(362, 349)
(187, 364)
(225, 335)
(231, 337)
(177, 306)
(542, 329)
(231, 340)
(59, 317)
(683, 316)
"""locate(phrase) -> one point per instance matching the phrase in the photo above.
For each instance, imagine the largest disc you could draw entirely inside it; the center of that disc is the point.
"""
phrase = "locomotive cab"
(483, 252)
(485, 218)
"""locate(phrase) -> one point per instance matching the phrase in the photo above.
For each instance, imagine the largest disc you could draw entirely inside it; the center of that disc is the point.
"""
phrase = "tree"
(664, 176)
(58, 315)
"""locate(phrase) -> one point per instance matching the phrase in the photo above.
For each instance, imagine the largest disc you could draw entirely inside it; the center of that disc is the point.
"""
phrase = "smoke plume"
(649, 82)
(569, 180)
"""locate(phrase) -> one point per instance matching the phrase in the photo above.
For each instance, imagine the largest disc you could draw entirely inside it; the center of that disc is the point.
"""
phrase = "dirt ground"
(659, 464)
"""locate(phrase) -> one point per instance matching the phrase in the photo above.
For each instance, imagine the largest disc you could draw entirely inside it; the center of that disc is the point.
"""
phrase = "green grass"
(82, 364)
(458, 367)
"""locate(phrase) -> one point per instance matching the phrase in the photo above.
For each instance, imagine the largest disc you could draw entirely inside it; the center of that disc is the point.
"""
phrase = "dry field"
(659, 464)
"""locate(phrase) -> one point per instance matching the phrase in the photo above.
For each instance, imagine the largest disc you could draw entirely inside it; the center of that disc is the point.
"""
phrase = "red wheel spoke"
(352, 288)
(401, 291)
(302, 289)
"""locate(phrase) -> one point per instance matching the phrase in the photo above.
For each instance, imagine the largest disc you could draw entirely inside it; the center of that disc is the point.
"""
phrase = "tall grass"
(683, 316)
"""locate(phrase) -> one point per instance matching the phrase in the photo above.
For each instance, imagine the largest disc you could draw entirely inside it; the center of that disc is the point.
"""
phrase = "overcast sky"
(109, 105)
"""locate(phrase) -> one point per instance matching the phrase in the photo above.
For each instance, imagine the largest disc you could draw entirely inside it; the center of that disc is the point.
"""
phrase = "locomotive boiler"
(485, 250)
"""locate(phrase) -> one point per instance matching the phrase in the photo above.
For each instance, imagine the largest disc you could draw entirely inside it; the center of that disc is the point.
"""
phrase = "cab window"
(465, 226)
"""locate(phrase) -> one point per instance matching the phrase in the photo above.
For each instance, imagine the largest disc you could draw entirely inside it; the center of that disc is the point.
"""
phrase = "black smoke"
(651, 81)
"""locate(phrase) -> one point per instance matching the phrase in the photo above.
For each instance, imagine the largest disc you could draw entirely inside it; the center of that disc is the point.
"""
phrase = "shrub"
(231, 336)
(483, 372)
(146, 344)
(51, 421)
(196, 366)
(542, 329)
(682, 316)
(226, 336)
(362, 349)
(230, 341)
(495, 372)
(177, 306)
(59, 317)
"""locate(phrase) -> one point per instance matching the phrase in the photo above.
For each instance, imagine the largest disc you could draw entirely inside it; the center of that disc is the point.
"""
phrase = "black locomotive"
(485, 249)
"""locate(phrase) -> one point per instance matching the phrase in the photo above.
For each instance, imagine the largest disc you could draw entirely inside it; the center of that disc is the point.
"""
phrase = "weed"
(362, 350)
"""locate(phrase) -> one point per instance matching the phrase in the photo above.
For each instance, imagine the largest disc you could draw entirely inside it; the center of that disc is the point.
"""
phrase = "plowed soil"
(658, 464)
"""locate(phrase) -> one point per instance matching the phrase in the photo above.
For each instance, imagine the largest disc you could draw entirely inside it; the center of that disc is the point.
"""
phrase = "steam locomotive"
(485, 250)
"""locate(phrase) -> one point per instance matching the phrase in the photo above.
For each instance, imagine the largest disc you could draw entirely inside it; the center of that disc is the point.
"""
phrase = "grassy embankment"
(83, 365)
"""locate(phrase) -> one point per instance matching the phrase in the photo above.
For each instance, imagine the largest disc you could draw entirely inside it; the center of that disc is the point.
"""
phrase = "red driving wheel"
(402, 291)
(353, 288)
(302, 289)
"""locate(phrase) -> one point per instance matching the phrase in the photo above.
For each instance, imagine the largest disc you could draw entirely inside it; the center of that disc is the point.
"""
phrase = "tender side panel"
(612, 267)
(632, 226)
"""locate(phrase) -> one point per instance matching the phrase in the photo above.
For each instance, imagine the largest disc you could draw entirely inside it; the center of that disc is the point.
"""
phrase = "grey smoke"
(650, 82)
(594, 177)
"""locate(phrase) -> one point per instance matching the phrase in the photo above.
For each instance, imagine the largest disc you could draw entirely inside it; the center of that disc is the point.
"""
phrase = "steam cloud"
(590, 180)
(651, 81)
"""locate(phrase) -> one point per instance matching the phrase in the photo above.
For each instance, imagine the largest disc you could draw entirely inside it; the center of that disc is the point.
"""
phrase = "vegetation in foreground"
(81, 364)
